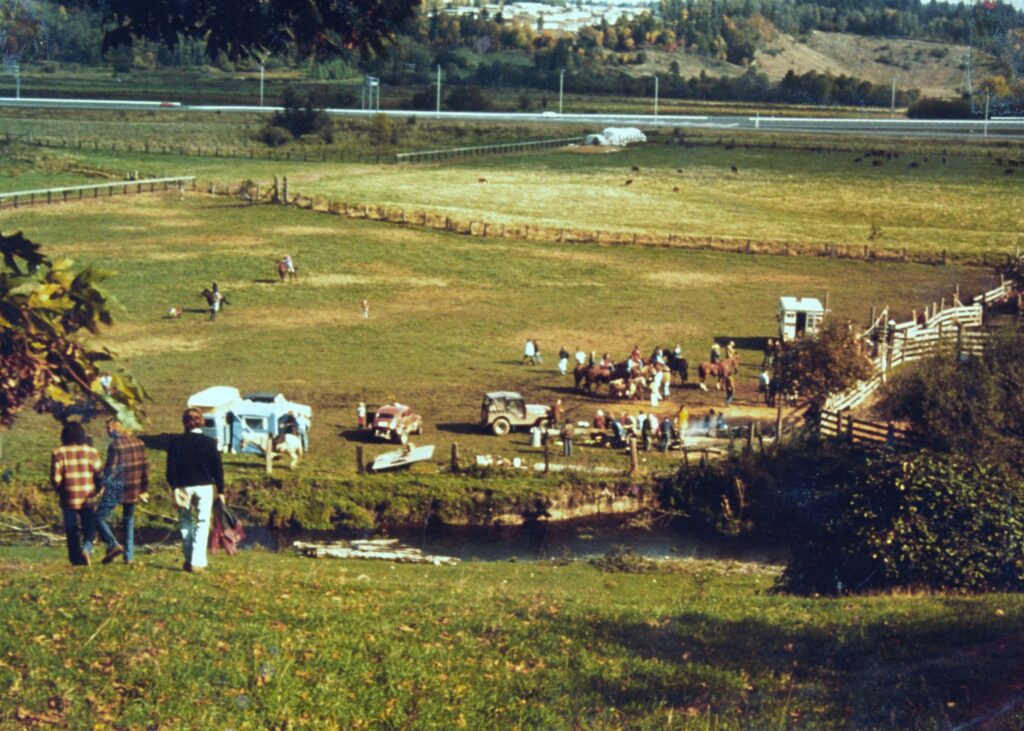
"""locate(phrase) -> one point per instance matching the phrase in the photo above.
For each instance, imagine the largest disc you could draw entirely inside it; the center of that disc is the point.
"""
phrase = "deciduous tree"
(45, 308)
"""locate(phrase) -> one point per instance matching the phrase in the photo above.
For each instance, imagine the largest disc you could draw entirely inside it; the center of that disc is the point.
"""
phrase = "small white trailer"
(799, 317)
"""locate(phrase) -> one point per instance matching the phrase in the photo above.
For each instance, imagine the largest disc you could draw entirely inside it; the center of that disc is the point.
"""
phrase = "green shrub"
(928, 108)
(923, 521)
(273, 136)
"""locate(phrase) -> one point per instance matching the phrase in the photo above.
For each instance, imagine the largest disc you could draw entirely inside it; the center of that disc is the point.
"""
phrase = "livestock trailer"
(230, 417)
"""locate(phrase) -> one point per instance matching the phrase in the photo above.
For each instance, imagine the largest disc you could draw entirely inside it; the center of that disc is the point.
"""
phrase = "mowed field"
(449, 313)
(966, 205)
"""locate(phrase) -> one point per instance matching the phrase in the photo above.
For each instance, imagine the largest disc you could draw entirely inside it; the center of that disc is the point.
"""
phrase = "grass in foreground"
(449, 313)
(265, 641)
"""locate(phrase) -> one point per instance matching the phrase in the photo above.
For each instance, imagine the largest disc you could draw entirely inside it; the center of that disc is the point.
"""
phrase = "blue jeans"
(127, 525)
(75, 533)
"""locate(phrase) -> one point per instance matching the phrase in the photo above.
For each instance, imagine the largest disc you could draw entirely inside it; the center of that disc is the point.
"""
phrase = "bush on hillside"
(300, 117)
(923, 521)
(970, 405)
(929, 108)
(272, 136)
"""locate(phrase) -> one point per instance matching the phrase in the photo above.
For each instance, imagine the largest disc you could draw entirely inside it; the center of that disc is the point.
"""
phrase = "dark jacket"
(193, 459)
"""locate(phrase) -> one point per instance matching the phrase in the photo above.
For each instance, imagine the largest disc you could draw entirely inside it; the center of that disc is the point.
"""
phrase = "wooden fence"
(79, 192)
(957, 328)
(485, 149)
(839, 426)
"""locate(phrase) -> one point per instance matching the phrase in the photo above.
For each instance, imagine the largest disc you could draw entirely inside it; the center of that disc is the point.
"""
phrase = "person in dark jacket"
(194, 471)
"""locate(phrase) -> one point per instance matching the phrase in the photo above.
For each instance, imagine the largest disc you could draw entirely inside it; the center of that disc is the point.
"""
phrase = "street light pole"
(561, 86)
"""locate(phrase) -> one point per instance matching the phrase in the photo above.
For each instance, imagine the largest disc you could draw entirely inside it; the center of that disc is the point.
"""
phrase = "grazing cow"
(912, 165)
(629, 181)
(876, 163)
(481, 180)
(675, 188)
(635, 170)
(679, 170)
(735, 170)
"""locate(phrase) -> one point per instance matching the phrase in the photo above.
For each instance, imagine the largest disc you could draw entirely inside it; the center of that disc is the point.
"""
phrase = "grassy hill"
(937, 69)
(266, 641)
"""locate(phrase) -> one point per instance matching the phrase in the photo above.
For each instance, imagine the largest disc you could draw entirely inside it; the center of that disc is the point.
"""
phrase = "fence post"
(959, 341)
(360, 467)
(455, 457)
(849, 428)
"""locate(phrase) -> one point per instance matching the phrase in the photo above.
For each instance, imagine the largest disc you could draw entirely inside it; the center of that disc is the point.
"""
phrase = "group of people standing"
(89, 489)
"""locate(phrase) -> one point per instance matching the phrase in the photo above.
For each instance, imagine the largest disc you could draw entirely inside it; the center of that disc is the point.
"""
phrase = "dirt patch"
(303, 231)
(686, 279)
(131, 345)
(592, 149)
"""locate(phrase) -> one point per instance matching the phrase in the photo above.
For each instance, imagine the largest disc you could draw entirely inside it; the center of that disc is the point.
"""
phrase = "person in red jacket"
(194, 470)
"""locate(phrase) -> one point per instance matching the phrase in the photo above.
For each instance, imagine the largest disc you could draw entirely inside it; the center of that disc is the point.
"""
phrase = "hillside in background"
(936, 69)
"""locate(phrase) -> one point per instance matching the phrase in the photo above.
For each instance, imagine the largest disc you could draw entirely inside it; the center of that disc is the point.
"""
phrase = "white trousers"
(194, 521)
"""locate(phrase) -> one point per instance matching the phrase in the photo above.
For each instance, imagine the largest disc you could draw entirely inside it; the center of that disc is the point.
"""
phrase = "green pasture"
(809, 196)
(266, 641)
(965, 206)
(449, 313)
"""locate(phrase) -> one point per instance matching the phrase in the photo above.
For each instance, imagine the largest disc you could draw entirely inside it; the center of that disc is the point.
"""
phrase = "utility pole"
(988, 99)
(437, 110)
(561, 86)
(892, 103)
(970, 75)
(655, 98)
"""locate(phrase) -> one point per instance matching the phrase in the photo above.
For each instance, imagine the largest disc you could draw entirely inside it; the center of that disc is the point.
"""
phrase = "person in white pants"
(194, 471)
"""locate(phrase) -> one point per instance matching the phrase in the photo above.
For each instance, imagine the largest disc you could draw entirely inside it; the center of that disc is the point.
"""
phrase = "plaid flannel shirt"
(74, 472)
(127, 466)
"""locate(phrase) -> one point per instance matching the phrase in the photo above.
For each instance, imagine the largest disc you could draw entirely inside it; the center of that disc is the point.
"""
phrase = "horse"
(720, 371)
(677, 365)
(273, 447)
(596, 375)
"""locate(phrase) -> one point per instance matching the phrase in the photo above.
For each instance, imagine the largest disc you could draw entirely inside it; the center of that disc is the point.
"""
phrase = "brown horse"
(720, 371)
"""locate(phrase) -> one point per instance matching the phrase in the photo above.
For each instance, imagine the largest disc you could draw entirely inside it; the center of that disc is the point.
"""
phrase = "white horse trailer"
(799, 317)
(231, 418)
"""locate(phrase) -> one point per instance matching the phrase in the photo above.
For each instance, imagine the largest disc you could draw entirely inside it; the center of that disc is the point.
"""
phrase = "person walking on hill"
(126, 482)
(568, 432)
(194, 470)
(529, 352)
(563, 361)
(75, 476)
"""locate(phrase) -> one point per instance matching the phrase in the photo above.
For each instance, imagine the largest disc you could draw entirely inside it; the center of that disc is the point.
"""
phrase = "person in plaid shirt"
(126, 482)
(75, 475)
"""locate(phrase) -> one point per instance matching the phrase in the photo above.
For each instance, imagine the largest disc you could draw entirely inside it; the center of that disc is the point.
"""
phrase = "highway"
(996, 127)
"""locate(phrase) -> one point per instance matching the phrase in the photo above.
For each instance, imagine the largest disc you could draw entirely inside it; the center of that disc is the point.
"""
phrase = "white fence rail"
(78, 192)
(957, 327)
